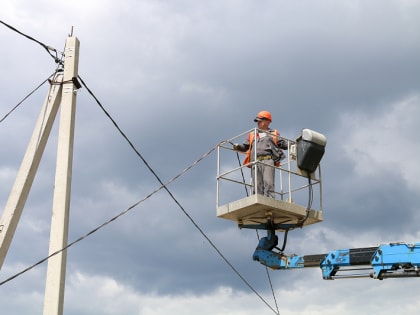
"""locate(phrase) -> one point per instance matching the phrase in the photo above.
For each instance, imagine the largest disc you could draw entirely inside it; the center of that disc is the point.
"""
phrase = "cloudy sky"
(178, 77)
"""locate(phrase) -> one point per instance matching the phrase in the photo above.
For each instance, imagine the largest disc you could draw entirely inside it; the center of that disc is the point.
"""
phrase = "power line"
(105, 223)
(49, 49)
(258, 237)
(125, 212)
(25, 98)
(173, 197)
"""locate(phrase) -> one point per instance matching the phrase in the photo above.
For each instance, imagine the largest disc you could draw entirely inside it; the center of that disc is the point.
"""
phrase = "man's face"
(263, 124)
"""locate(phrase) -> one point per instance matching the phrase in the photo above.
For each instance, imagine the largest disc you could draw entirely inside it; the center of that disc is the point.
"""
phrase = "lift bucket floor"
(255, 209)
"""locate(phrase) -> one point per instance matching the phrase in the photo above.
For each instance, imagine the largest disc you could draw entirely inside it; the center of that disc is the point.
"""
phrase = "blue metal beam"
(385, 261)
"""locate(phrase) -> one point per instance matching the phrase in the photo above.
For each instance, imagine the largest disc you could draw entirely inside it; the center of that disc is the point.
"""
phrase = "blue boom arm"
(393, 260)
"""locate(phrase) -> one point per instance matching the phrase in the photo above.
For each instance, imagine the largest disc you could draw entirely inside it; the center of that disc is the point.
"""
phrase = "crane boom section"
(394, 260)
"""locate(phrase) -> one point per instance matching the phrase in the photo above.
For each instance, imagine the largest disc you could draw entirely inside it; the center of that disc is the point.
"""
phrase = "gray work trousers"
(262, 175)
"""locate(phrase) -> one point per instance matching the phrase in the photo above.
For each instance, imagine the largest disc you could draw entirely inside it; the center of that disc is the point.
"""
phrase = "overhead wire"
(173, 197)
(258, 235)
(49, 49)
(26, 97)
(106, 222)
(163, 186)
(269, 280)
(57, 60)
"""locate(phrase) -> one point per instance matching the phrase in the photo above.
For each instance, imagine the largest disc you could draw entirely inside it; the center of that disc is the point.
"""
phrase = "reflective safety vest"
(274, 134)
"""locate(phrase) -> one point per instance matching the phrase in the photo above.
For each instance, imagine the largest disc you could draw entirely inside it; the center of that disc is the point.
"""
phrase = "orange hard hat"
(263, 115)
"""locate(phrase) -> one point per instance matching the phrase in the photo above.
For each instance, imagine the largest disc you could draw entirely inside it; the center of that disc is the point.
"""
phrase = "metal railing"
(291, 184)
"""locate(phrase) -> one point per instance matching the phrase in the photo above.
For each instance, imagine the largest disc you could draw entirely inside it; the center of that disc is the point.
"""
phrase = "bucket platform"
(257, 209)
(297, 198)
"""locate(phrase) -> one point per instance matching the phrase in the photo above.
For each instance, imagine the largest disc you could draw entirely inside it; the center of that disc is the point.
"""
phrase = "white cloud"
(94, 294)
(385, 141)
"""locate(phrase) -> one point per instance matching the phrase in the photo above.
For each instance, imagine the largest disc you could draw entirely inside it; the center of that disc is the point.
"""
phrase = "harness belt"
(264, 157)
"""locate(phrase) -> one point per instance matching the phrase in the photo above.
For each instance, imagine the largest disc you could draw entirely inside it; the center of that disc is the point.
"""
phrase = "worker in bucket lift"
(264, 144)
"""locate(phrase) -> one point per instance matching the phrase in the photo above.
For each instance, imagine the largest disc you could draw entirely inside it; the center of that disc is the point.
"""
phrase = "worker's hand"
(282, 144)
(236, 147)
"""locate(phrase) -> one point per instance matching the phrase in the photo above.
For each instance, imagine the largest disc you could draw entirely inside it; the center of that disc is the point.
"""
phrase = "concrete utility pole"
(62, 91)
(26, 174)
(56, 272)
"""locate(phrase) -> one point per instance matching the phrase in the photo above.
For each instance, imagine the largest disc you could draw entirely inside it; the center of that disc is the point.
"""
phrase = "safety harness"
(274, 134)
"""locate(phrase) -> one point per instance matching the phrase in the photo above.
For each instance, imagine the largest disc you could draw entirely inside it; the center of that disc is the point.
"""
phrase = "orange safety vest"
(274, 134)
